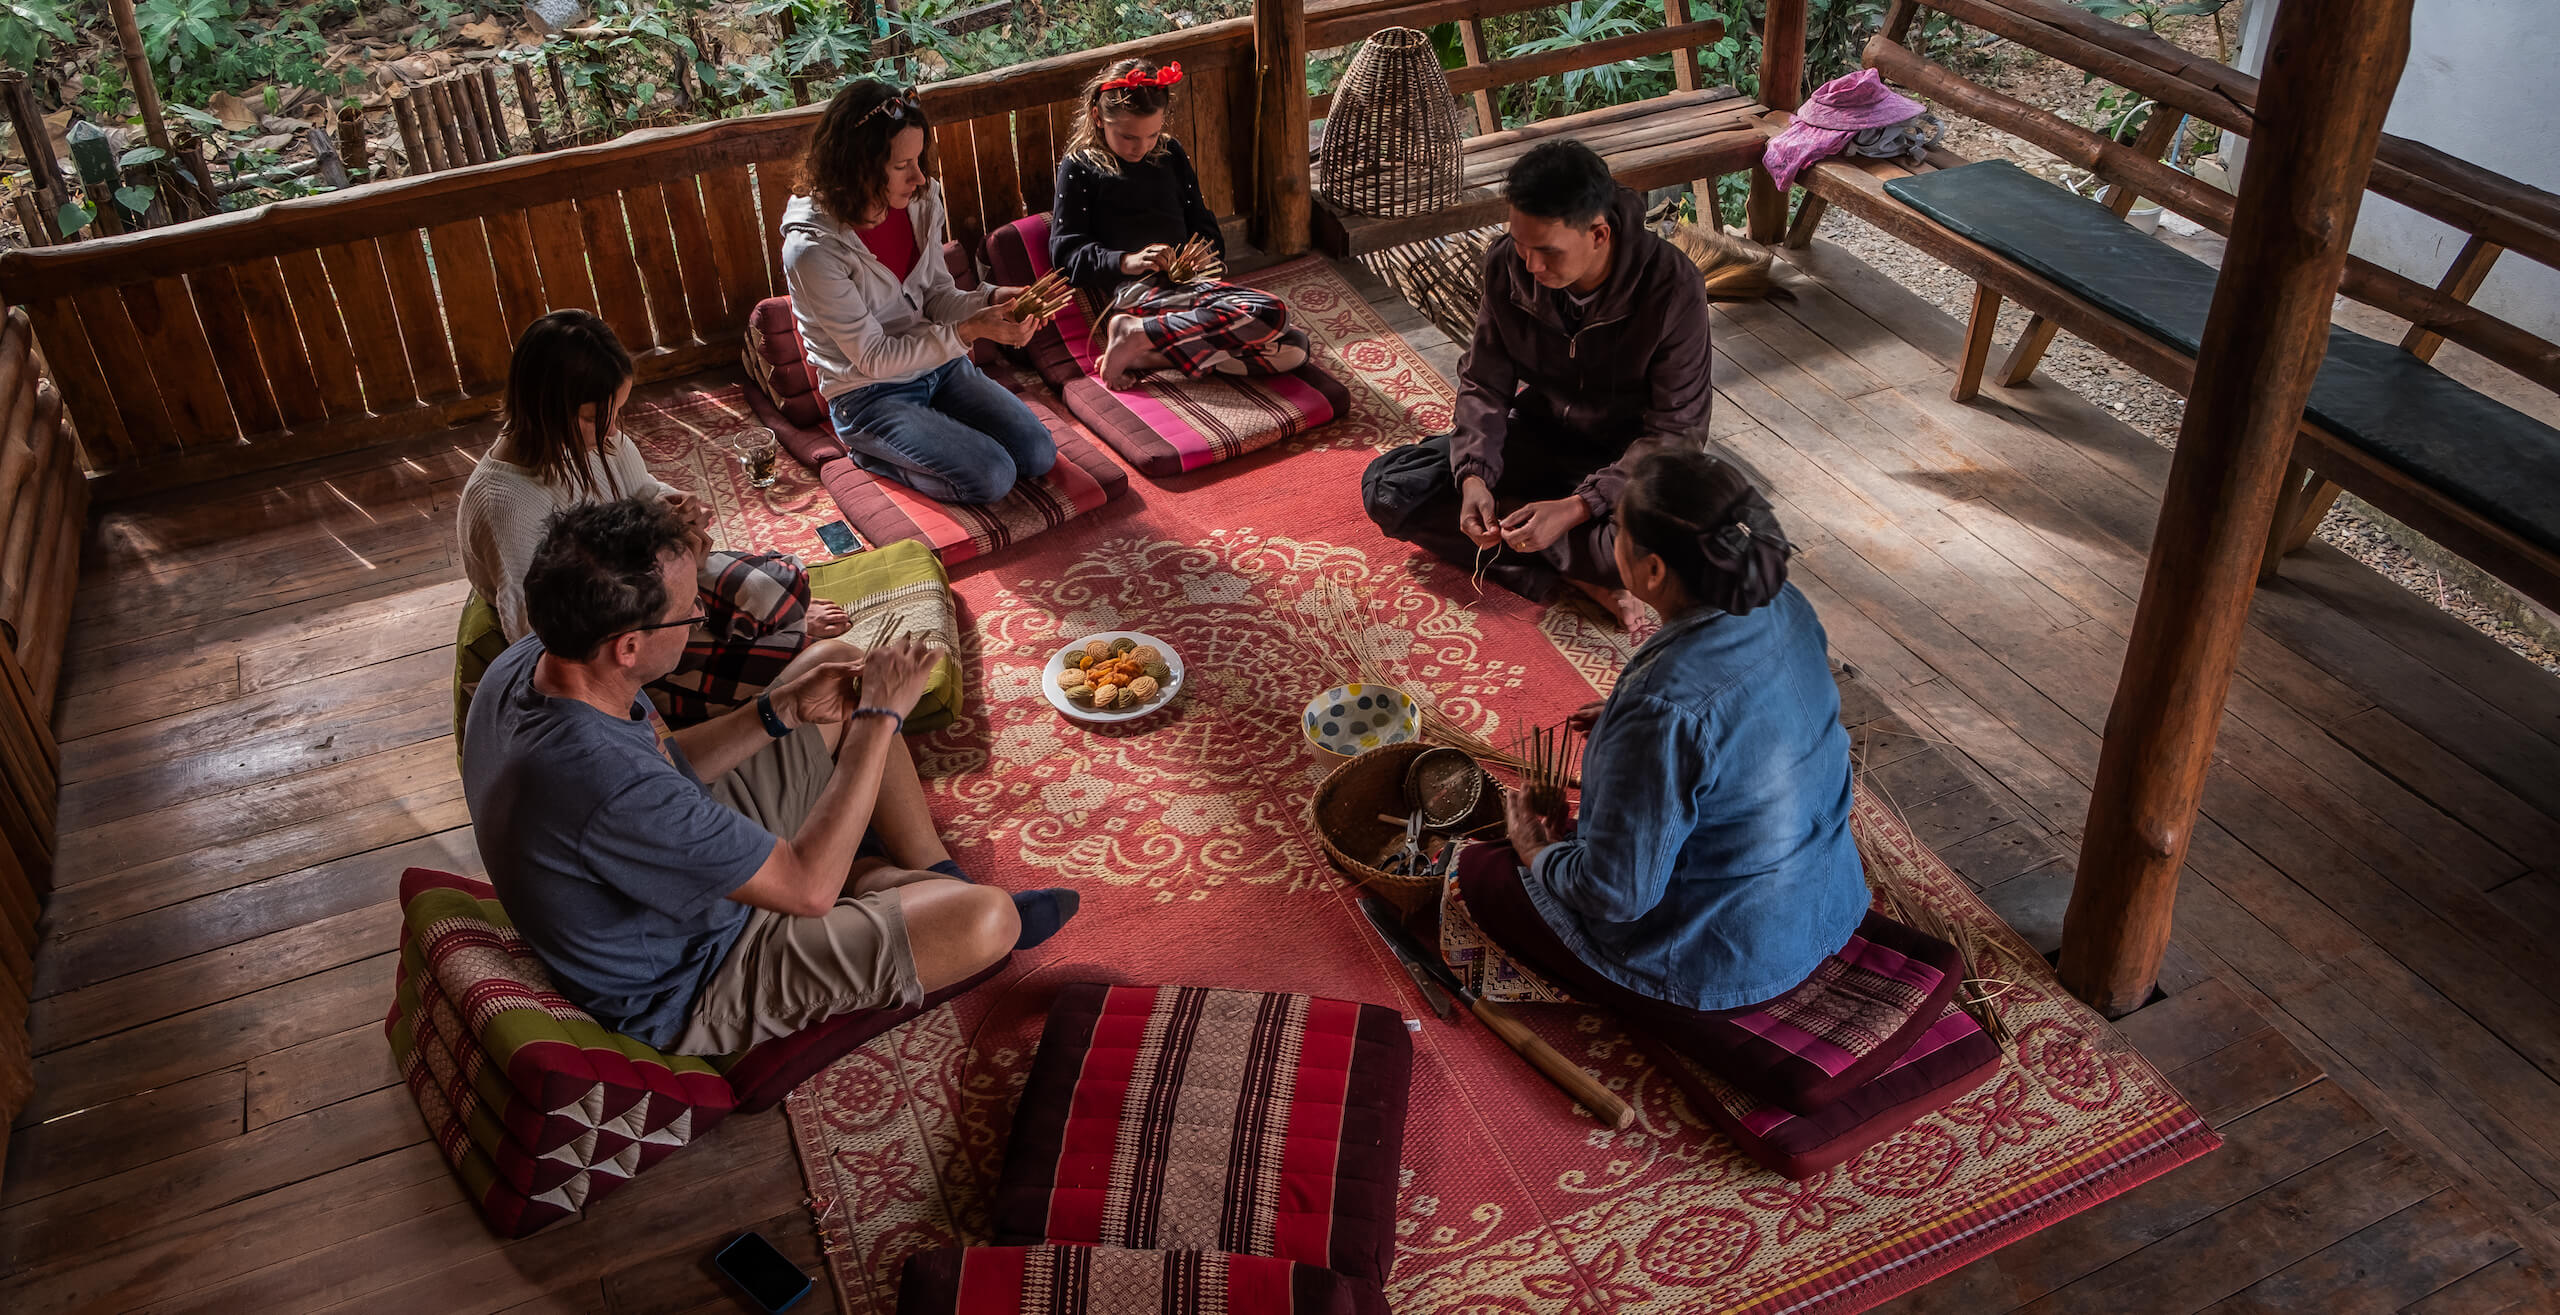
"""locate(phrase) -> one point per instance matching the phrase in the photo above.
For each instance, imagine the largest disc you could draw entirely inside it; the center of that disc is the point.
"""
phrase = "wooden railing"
(43, 508)
(322, 324)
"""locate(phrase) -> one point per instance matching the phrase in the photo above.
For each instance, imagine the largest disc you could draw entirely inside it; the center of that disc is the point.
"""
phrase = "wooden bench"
(1691, 134)
(2453, 506)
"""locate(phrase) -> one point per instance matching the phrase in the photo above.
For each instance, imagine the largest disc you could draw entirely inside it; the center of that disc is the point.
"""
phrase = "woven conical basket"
(1391, 142)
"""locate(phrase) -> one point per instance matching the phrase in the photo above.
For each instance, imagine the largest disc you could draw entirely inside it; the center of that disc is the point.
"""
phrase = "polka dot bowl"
(1349, 720)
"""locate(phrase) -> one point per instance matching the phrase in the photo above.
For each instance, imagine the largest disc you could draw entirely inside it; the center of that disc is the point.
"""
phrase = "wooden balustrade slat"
(225, 316)
(17, 352)
(773, 194)
(1612, 139)
(24, 541)
(729, 203)
(653, 246)
(422, 334)
(482, 342)
(324, 333)
(19, 707)
(1035, 153)
(373, 325)
(1332, 28)
(439, 107)
(280, 351)
(1635, 45)
(1242, 96)
(49, 616)
(999, 185)
(173, 340)
(704, 302)
(1211, 142)
(956, 164)
(560, 248)
(618, 296)
(511, 258)
(84, 385)
(18, 442)
(120, 355)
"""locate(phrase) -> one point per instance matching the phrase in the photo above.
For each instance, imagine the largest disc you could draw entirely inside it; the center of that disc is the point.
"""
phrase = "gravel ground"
(2139, 402)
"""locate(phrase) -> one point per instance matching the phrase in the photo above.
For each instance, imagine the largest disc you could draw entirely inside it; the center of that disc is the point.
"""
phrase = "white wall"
(2477, 86)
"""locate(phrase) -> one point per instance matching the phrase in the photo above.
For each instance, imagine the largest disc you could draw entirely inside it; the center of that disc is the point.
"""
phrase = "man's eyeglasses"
(688, 622)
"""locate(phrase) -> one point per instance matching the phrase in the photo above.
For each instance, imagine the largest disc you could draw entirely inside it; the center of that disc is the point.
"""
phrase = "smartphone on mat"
(839, 538)
(767, 1275)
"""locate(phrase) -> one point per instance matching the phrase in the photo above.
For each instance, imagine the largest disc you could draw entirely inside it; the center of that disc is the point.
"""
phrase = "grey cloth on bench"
(2493, 459)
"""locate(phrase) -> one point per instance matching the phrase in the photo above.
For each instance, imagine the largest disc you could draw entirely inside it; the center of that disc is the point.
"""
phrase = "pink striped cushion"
(1070, 1280)
(1164, 426)
(885, 511)
(1953, 1056)
(1861, 1009)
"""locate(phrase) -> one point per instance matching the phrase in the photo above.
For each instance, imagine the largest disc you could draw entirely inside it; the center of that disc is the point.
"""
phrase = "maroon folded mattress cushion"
(1952, 1057)
(1860, 1010)
(1076, 1280)
(1187, 1118)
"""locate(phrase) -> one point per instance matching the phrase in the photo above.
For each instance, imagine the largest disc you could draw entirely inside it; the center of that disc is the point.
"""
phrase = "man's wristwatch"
(773, 724)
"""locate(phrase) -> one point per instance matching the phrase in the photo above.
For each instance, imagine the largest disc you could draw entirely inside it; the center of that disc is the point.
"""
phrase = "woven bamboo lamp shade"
(1442, 277)
(1391, 142)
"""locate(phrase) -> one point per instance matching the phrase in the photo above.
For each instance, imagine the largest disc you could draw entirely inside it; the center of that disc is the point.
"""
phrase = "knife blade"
(1435, 992)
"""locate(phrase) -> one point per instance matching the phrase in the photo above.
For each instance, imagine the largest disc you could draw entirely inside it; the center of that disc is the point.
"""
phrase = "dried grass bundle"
(1735, 270)
(1975, 994)
(1041, 301)
(1195, 261)
(1344, 616)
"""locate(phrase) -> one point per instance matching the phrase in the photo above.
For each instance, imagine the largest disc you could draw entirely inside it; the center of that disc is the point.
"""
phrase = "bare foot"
(1125, 352)
(1628, 610)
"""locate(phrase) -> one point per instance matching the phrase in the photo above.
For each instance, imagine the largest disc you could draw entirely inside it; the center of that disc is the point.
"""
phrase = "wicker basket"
(1391, 141)
(1345, 815)
(1442, 277)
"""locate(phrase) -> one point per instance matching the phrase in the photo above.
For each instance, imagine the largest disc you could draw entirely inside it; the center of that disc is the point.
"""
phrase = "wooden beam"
(2330, 74)
(1781, 88)
(1471, 43)
(2461, 282)
(1283, 197)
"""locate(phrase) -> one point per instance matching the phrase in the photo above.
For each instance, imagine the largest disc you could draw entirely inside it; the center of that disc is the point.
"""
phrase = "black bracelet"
(772, 720)
(897, 718)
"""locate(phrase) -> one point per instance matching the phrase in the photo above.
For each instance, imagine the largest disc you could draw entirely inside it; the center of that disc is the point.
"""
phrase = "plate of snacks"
(1116, 675)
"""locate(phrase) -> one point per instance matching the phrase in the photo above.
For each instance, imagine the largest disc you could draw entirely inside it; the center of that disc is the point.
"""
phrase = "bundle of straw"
(1041, 302)
(1553, 755)
(1976, 994)
(1370, 664)
(1194, 261)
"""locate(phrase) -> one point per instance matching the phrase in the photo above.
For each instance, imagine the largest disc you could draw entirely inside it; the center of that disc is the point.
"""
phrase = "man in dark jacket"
(1590, 351)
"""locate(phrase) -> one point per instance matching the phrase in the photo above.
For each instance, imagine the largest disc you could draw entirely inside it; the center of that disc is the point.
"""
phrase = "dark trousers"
(1411, 494)
(1489, 881)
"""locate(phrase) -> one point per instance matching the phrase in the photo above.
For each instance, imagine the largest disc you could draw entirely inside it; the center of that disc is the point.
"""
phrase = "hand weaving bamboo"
(1041, 301)
(1194, 261)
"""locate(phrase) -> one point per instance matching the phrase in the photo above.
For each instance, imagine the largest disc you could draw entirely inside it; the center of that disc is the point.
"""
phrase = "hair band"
(1170, 74)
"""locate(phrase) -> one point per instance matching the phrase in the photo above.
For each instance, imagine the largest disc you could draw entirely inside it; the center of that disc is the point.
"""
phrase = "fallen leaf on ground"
(486, 32)
(236, 114)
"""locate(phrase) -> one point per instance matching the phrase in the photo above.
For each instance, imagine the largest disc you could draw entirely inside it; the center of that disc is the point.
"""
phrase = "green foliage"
(1580, 24)
(28, 28)
(2150, 12)
(199, 47)
(617, 69)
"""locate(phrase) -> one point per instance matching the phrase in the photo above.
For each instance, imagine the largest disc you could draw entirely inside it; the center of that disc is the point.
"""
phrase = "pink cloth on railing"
(1839, 110)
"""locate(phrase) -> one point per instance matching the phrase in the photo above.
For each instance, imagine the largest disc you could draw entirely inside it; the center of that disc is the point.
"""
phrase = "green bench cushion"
(2494, 460)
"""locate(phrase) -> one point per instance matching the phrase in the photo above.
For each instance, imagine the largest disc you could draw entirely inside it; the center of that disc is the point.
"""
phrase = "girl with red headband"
(1127, 197)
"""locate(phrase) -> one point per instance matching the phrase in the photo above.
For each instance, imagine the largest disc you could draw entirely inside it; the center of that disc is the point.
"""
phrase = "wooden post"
(529, 104)
(137, 69)
(404, 111)
(36, 145)
(352, 147)
(493, 115)
(1781, 88)
(2330, 73)
(1283, 217)
(1471, 44)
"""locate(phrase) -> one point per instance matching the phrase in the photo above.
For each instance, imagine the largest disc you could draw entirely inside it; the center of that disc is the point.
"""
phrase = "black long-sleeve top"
(1103, 216)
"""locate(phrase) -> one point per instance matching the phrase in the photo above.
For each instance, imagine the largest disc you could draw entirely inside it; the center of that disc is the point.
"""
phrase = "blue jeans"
(951, 434)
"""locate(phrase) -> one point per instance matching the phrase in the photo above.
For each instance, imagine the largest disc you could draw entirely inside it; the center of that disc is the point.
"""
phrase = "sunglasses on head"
(897, 107)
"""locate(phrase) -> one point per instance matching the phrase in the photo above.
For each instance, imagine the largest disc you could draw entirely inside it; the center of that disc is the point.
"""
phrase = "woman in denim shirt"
(1711, 868)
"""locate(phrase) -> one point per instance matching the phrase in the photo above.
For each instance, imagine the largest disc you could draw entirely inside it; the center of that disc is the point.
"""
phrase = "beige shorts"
(785, 973)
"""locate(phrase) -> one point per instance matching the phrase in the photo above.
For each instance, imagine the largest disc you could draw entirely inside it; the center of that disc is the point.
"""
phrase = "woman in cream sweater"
(561, 446)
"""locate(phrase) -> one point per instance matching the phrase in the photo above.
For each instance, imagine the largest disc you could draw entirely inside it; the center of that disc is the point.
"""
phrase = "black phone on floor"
(767, 1275)
(840, 538)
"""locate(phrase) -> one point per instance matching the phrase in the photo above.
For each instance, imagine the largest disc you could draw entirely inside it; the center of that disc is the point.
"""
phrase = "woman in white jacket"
(884, 326)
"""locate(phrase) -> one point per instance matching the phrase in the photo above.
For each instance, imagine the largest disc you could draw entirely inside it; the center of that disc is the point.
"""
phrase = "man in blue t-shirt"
(706, 889)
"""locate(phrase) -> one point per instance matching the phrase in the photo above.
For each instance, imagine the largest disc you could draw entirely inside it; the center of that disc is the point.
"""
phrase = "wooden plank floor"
(254, 747)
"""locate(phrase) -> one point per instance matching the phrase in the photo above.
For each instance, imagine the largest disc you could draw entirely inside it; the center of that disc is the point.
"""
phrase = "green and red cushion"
(1185, 1118)
(1953, 1056)
(1168, 425)
(538, 1108)
(1075, 1280)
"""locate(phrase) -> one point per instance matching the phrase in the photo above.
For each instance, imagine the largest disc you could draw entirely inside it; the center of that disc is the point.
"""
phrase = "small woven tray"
(1345, 815)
